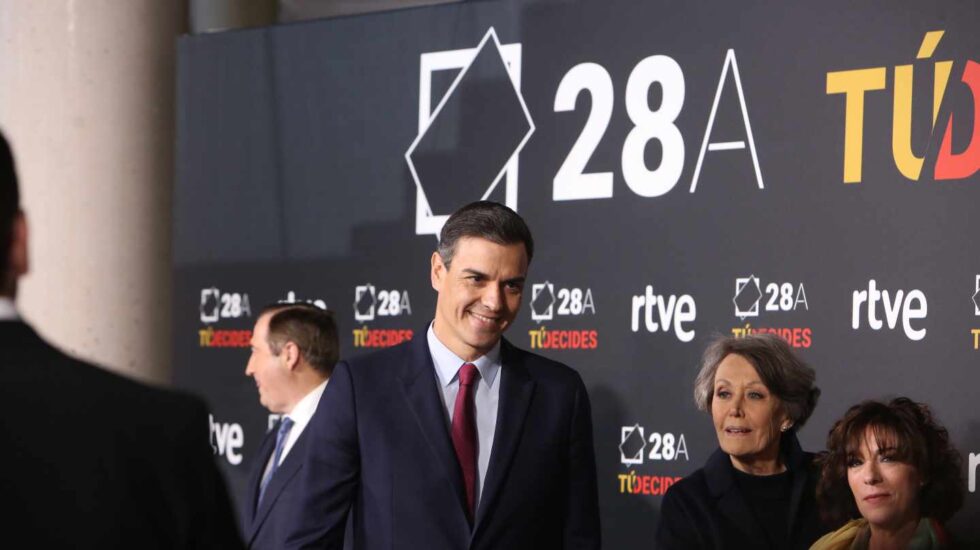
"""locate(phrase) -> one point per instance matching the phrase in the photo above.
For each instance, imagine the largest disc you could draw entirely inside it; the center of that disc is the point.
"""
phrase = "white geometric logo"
(210, 305)
(542, 309)
(428, 222)
(747, 296)
(631, 445)
(364, 302)
(976, 298)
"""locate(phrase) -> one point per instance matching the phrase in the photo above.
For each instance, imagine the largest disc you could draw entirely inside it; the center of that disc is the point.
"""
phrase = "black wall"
(302, 169)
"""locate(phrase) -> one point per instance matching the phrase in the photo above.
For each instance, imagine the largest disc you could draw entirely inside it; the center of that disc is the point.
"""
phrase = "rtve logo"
(671, 311)
(893, 305)
(855, 85)
(226, 440)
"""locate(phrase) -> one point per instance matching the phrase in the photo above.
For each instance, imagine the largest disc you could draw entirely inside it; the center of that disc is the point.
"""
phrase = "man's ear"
(438, 272)
(18, 261)
(290, 355)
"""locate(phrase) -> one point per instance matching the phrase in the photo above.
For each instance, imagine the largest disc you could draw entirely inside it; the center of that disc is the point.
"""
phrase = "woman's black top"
(711, 509)
(768, 498)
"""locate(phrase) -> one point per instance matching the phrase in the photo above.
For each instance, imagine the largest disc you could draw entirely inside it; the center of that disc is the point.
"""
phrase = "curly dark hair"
(918, 440)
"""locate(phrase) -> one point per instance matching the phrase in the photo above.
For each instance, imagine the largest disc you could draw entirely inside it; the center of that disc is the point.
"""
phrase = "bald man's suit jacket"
(380, 448)
(89, 459)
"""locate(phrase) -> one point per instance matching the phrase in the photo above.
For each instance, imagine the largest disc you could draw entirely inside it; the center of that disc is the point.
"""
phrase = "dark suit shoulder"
(539, 366)
(144, 403)
(137, 454)
(83, 387)
(378, 367)
(685, 513)
(694, 486)
(382, 357)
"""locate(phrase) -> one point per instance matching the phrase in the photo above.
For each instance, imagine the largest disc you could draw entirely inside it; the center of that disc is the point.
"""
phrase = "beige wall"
(87, 101)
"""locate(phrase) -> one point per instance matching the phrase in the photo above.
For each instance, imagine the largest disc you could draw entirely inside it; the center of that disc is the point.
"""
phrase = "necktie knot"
(468, 373)
(284, 426)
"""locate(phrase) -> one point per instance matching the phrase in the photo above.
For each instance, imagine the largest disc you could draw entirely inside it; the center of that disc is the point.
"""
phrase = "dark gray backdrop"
(293, 182)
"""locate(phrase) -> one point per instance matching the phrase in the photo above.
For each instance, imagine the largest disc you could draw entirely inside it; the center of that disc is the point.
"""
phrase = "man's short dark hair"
(486, 220)
(312, 329)
(9, 201)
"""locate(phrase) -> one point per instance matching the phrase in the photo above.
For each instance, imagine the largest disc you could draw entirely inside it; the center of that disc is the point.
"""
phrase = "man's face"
(270, 372)
(479, 294)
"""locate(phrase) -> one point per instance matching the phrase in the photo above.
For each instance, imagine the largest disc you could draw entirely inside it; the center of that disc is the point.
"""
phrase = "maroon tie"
(464, 431)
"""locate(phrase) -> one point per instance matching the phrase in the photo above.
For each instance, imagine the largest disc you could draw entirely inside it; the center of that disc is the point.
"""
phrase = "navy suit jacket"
(265, 525)
(90, 459)
(380, 447)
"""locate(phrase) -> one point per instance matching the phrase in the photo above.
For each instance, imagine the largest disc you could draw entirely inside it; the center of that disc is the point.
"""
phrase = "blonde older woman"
(757, 490)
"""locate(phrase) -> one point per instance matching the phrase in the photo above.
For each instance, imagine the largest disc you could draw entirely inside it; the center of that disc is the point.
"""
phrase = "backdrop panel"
(687, 170)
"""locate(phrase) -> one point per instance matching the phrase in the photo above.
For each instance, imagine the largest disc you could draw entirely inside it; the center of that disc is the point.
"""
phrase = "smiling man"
(456, 439)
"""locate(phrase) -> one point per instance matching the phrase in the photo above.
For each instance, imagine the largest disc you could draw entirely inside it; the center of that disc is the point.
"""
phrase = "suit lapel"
(516, 388)
(255, 476)
(290, 466)
(796, 460)
(420, 389)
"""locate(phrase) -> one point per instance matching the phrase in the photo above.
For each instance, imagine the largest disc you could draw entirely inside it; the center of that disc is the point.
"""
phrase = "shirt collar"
(8, 312)
(448, 363)
(303, 411)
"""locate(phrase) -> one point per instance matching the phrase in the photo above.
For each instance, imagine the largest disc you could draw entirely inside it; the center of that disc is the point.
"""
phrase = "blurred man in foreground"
(91, 459)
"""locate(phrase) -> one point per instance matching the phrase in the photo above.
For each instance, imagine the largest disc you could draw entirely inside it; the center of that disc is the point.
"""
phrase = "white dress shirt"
(7, 310)
(485, 400)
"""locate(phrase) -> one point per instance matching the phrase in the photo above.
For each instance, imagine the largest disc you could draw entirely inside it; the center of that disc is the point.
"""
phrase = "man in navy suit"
(455, 439)
(294, 349)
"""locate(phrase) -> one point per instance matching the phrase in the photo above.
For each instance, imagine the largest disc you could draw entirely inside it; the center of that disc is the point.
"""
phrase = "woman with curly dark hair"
(891, 470)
